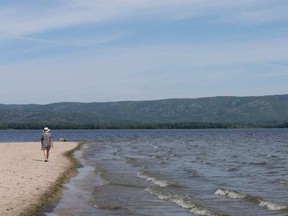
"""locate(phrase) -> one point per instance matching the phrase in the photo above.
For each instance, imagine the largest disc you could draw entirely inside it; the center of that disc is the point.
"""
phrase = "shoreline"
(28, 185)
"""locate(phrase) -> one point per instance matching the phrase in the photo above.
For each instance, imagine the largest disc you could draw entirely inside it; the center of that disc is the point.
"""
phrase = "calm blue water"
(174, 172)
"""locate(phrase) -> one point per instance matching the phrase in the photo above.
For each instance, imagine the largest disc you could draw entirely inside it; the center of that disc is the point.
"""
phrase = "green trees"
(133, 125)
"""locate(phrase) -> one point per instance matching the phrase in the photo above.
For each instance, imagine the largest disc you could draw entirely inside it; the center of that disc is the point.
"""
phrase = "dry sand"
(25, 177)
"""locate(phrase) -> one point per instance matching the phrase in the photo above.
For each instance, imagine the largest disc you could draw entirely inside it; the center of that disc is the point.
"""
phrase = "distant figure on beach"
(46, 142)
(62, 140)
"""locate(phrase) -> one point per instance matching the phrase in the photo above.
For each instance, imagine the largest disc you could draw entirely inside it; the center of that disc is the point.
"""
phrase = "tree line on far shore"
(199, 113)
(129, 125)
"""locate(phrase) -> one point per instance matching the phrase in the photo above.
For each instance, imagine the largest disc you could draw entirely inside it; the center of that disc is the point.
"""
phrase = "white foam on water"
(283, 181)
(272, 206)
(158, 182)
(182, 201)
(230, 194)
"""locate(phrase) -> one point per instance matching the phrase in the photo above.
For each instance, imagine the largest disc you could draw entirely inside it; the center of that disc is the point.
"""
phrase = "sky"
(130, 50)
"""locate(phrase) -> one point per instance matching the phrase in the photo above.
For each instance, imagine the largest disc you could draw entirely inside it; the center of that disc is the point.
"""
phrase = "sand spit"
(26, 178)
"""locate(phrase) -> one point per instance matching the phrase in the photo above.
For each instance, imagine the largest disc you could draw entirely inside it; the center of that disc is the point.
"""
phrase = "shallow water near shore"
(177, 172)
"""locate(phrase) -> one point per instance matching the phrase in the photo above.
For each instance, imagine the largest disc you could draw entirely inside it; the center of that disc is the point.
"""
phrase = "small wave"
(265, 155)
(231, 169)
(204, 162)
(131, 161)
(272, 206)
(183, 201)
(283, 181)
(125, 185)
(259, 163)
(105, 206)
(158, 182)
(191, 172)
(230, 194)
(271, 156)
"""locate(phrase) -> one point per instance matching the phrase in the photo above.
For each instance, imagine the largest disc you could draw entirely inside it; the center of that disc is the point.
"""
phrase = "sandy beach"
(25, 177)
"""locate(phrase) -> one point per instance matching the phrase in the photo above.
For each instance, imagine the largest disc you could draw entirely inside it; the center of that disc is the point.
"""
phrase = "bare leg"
(46, 154)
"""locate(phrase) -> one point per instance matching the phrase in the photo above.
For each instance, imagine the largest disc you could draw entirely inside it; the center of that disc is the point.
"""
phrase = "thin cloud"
(83, 42)
(34, 39)
(142, 49)
(23, 21)
(160, 58)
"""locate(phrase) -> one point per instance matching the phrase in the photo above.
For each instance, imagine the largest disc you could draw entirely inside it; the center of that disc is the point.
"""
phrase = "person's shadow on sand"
(38, 160)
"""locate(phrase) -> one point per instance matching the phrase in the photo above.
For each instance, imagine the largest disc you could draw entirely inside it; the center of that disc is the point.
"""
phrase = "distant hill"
(240, 111)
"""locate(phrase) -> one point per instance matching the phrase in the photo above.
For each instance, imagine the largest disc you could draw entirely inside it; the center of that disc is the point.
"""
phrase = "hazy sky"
(115, 50)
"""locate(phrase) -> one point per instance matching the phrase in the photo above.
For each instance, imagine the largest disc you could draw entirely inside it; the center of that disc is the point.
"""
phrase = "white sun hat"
(46, 129)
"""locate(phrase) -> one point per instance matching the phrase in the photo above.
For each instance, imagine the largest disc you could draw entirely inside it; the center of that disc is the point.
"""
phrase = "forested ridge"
(210, 112)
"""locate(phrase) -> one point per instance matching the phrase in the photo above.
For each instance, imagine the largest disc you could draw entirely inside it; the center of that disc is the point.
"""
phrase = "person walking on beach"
(46, 142)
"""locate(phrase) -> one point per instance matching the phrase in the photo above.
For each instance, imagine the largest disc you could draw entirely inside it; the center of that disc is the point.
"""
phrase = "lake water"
(174, 172)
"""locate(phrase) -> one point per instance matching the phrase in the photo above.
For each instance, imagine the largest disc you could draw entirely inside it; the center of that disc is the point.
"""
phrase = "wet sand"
(26, 178)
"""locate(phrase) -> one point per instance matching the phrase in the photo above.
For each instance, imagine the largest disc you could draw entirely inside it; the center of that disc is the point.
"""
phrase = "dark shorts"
(45, 147)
